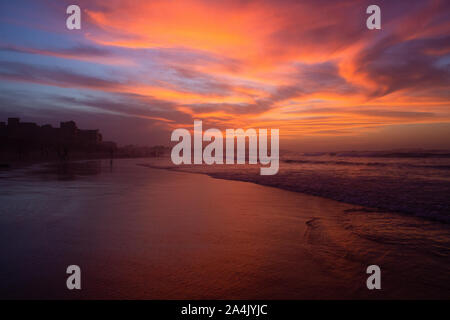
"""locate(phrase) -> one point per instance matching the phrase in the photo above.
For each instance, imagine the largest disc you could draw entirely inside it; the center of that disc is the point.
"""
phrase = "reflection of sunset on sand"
(145, 233)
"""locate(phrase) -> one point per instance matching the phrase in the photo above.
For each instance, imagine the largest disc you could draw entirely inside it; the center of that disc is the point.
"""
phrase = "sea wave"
(383, 154)
(374, 164)
(419, 188)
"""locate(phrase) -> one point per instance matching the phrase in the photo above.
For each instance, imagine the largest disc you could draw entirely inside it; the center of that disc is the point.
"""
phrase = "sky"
(137, 70)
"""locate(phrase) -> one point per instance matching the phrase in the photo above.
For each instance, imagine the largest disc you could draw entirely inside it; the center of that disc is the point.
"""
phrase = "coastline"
(143, 233)
(252, 176)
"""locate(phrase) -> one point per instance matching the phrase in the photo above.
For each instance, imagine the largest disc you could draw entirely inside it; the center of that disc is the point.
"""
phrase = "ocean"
(415, 183)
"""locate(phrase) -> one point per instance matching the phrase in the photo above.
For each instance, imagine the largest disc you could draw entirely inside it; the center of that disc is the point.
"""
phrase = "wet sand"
(143, 233)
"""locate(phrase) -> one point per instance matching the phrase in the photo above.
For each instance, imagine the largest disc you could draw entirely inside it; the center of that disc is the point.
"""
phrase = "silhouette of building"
(30, 142)
(26, 137)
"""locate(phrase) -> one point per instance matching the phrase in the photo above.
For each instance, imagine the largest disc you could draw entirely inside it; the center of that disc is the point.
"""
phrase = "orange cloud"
(307, 67)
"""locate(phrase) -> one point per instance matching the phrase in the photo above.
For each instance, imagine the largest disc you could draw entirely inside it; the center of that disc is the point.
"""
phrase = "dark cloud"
(56, 76)
(398, 65)
(75, 51)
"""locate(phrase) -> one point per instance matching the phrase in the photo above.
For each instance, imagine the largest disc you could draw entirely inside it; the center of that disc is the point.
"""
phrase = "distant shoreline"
(216, 176)
(11, 165)
(254, 179)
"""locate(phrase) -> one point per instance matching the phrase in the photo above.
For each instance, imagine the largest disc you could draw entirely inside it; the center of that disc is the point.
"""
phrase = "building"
(28, 136)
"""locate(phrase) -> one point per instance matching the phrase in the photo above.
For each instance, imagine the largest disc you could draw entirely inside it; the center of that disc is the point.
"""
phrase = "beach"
(145, 233)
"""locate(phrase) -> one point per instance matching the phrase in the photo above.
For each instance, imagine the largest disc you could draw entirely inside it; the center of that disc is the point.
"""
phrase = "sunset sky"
(138, 69)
